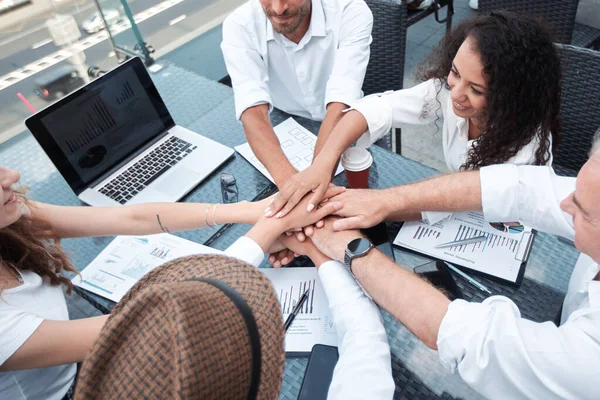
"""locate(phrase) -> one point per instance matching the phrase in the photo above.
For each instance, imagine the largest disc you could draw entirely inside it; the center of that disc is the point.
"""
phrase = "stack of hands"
(319, 227)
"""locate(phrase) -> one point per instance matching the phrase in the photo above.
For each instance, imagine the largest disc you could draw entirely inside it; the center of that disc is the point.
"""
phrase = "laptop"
(115, 142)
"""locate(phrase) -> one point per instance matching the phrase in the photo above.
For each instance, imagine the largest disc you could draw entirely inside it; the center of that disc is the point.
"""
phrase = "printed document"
(128, 258)
(314, 324)
(506, 246)
(297, 143)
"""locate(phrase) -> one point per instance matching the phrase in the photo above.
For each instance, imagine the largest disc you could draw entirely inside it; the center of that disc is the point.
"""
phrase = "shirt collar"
(316, 27)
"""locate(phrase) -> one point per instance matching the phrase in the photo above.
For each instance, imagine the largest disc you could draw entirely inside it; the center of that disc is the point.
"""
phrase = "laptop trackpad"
(178, 181)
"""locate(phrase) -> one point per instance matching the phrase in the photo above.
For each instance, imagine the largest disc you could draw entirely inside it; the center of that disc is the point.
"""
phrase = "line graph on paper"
(493, 241)
(291, 293)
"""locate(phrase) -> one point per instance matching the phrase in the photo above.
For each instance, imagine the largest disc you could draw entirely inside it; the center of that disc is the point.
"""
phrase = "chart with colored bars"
(501, 254)
(160, 252)
(137, 268)
(289, 297)
(128, 258)
(493, 241)
(96, 121)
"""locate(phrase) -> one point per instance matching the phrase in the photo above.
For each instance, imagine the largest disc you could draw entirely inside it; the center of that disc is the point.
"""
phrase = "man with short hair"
(305, 57)
(495, 350)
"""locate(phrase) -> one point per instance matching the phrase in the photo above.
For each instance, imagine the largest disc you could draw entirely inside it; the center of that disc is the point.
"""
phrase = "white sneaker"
(474, 4)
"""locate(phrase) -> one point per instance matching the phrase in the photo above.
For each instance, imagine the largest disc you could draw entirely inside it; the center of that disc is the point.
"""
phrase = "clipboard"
(503, 257)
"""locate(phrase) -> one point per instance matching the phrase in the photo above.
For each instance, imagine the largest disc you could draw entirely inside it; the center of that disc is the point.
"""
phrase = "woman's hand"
(299, 217)
(315, 178)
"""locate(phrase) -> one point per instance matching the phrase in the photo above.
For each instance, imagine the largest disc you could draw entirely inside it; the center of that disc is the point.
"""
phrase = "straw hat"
(205, 327)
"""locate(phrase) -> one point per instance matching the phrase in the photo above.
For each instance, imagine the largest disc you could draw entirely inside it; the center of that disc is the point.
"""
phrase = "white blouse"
(423, 105)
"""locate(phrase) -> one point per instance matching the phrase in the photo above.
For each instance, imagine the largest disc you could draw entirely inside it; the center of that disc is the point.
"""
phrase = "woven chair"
(417, 15)
(579, 109)
(560, 13)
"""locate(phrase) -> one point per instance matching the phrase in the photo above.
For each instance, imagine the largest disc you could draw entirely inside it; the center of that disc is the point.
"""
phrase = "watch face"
(359, 246)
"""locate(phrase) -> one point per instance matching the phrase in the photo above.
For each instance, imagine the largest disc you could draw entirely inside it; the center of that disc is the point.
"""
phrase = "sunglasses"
(229, 189)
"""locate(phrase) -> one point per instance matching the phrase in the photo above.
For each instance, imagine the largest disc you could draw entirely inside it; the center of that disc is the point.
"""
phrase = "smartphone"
(438, 274)
(319, 372)
(378, 235)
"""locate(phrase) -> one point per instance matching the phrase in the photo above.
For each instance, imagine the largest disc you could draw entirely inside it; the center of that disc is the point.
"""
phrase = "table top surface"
(207, 107)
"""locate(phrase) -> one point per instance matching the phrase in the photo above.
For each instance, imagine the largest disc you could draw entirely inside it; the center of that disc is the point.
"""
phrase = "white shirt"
(502, 355)
(421, 105)
(327, 65)
(22, 310)
(364, 369)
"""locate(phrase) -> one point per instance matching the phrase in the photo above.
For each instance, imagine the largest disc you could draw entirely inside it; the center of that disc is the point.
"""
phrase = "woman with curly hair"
(495, 84)
(38, 343)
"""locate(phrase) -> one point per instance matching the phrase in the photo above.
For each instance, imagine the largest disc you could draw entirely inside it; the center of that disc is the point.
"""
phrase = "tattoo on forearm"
(164, 228)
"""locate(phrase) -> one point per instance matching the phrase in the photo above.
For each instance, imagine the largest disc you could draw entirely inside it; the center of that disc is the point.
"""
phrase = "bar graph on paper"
(501, 254)
(291, 293)
(423, 233)
(160, 252)
(493, 241)
(137, 268)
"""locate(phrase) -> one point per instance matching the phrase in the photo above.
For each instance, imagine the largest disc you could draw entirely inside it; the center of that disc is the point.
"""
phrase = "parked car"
(8, 5)
(58, 82)
(95, 24)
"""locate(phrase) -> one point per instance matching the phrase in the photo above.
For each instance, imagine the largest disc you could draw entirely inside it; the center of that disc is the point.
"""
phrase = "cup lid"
(356, 159)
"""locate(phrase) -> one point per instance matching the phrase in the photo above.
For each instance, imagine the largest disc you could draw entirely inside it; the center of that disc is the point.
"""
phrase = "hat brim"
(246, 280)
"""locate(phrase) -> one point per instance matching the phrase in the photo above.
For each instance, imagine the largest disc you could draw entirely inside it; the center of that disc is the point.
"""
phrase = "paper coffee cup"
(357, 161)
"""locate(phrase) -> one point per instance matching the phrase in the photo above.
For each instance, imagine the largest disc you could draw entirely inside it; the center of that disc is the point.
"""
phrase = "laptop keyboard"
(141, 174)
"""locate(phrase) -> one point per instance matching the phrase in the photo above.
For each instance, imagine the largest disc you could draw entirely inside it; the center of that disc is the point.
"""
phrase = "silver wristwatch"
(357, 248)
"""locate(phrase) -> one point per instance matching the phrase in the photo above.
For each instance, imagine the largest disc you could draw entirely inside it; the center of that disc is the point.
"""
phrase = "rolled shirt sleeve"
(364, 368)
(502, 355)
(245, 66)
(352, 55)
(530, 194)
(396, 109)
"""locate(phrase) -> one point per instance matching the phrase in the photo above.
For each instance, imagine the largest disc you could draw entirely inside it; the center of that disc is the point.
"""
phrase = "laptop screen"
(97, 127)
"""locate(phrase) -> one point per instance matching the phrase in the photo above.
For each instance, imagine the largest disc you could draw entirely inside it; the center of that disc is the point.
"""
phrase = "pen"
(296, 310)
(462, 242)
(468, 278)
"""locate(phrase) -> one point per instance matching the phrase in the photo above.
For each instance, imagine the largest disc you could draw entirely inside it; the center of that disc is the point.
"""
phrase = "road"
(159, 30)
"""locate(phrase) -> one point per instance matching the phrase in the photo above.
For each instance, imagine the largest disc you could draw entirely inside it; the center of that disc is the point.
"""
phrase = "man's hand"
(331, 243)
(360, 208)
(315, 178)
(282, 257)
(266, 231)
(306, 248)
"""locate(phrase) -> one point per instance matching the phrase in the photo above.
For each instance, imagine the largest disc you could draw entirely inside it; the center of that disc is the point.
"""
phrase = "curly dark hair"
(31, 244)
(523, 76)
